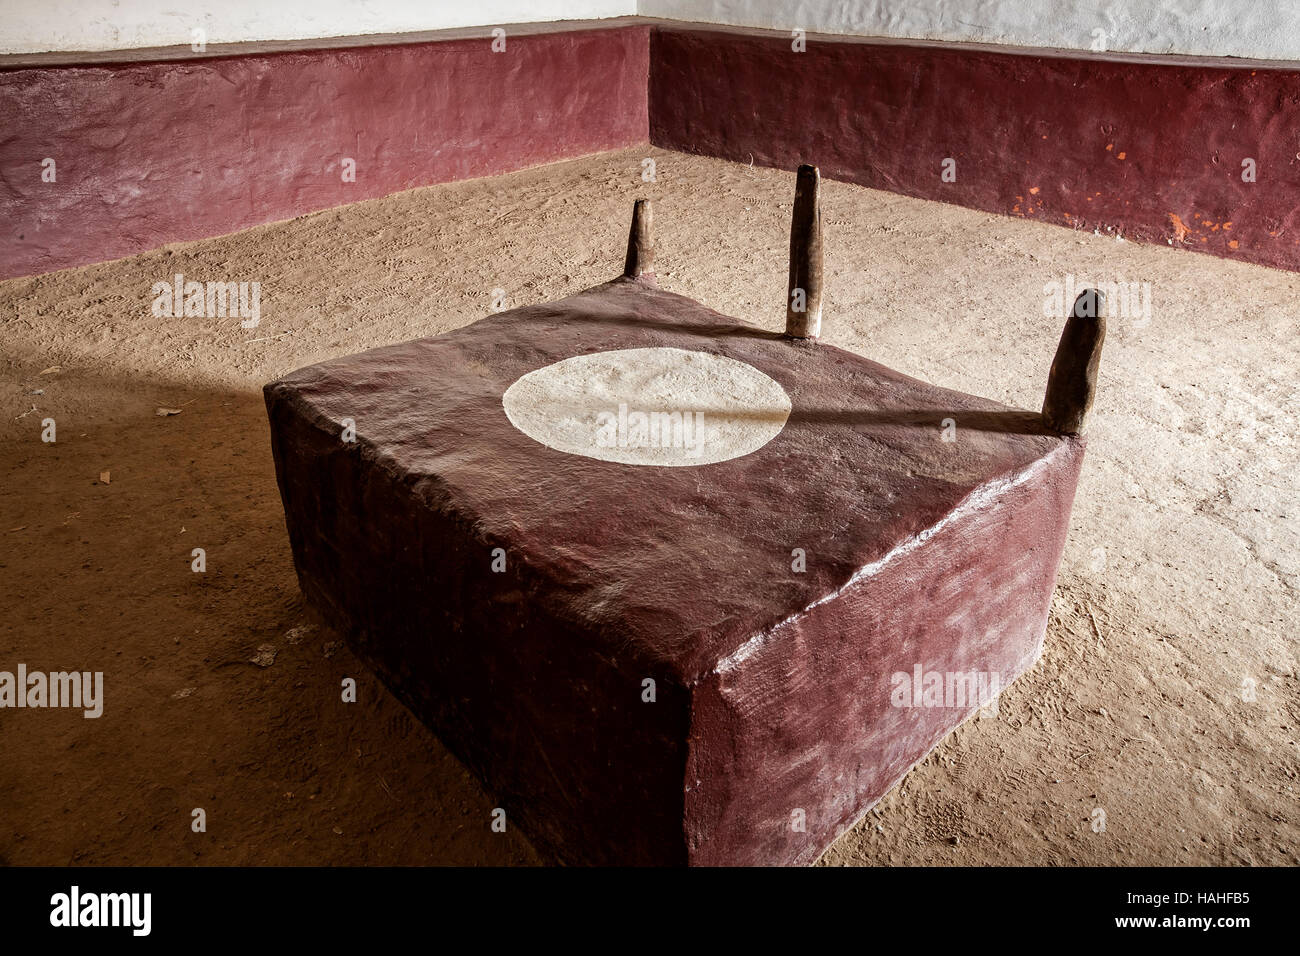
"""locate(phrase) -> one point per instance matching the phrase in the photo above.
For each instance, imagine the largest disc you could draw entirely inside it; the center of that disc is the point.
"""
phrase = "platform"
(519, 598)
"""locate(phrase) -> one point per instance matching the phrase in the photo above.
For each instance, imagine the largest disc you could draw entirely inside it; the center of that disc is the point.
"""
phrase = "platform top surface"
(685, 563)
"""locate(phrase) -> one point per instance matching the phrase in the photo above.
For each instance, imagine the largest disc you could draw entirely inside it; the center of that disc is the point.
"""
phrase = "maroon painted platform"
(773, 686)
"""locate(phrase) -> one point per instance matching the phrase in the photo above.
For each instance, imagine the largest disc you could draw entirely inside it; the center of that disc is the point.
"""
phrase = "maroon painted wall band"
(1155, 151)
(151, 153)
(164, 151)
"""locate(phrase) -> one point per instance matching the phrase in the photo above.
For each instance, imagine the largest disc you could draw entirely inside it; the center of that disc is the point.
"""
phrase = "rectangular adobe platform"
(774, 701)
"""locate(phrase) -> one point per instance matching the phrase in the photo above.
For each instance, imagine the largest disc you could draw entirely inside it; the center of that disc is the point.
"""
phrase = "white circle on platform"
(652, 406)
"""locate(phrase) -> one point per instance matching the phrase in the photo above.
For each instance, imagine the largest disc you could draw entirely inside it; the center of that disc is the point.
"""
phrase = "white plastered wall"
(40, 26)
(1261, 29)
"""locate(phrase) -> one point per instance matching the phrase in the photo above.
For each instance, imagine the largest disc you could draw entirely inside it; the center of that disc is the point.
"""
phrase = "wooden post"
(803, 304)
(640, 243)
(1073, 379)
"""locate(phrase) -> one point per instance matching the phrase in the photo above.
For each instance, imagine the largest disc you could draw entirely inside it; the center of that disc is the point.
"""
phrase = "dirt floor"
(1166, 698)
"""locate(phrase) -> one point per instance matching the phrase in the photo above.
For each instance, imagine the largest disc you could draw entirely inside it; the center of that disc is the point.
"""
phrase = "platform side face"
(802, 731)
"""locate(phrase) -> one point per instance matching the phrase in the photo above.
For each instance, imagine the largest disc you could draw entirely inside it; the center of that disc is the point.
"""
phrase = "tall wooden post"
(1072, 381)
(640, 242)
(803, 304)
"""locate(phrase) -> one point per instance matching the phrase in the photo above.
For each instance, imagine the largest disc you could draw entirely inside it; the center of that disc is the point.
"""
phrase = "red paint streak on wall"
(152, 153)
(1153, 151)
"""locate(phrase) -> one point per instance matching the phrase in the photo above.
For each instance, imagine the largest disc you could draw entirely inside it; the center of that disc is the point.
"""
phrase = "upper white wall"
(1263, 29)
(1243, 28)
(40, 26)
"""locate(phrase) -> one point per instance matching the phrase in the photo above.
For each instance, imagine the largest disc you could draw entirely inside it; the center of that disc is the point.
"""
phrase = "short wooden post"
(640, 242)
(1073, 380)
(803, 305)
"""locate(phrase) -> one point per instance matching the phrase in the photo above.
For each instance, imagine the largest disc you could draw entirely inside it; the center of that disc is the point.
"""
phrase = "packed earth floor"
(1159, 727)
